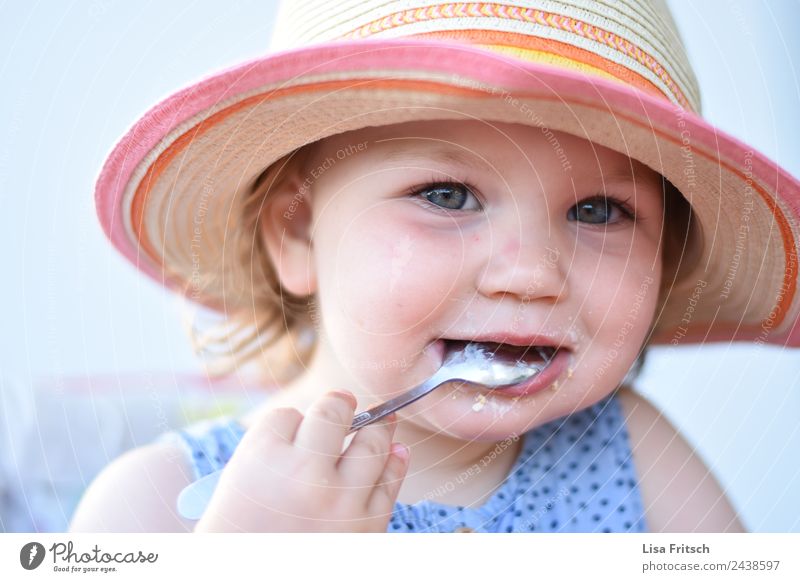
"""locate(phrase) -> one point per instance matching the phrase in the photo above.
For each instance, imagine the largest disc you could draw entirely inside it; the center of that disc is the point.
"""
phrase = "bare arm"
(678, 491)
(136, 493)
(311, 485)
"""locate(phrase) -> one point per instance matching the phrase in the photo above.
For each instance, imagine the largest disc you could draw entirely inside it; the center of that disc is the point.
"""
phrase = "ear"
(285, 226)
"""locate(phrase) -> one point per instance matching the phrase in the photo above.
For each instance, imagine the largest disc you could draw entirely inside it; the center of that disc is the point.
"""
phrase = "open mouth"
(550, 363)
(525, 355)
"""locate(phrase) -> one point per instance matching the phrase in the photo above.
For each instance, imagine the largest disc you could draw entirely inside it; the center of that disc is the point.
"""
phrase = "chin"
(464, 412)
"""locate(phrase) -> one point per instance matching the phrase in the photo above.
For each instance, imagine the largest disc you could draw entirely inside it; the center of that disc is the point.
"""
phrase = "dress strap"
(209, 444)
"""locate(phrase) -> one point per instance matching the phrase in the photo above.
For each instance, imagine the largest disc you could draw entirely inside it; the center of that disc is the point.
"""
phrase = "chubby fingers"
(384, 495)
(325, 426)
(364, 460)
(273, 427)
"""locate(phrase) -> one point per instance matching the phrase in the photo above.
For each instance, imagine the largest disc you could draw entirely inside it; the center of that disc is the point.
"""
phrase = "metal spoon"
(471, 364)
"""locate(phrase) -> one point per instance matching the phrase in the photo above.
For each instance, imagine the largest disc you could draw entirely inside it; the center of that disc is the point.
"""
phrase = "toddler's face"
(521, 242)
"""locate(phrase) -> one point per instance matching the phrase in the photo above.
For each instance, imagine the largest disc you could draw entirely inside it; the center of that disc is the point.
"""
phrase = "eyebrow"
(408, 150)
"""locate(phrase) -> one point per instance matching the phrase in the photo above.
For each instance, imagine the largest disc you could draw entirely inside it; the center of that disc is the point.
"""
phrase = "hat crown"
(635, 42)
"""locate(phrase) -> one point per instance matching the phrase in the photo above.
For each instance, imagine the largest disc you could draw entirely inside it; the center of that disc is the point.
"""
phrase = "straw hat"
(612, 72)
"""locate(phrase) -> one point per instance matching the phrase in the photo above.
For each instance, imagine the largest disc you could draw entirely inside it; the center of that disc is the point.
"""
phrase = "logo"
(31, 555)
(66, 559)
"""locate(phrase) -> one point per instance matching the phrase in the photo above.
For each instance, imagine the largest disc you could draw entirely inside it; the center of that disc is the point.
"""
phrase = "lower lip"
(541, 381)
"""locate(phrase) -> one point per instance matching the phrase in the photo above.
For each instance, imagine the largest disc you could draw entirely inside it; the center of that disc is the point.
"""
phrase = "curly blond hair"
(276, 329)
(269, 326)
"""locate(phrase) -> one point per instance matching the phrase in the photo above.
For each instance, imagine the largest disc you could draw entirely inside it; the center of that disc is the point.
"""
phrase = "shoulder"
(678, 491)
(136, 492)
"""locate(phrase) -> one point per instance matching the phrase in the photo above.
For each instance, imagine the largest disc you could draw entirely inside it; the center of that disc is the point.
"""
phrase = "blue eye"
(448, 196)
(455, 196)
(598, 210)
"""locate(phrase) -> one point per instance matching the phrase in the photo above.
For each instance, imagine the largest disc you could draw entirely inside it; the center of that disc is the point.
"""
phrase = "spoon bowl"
(472, 364)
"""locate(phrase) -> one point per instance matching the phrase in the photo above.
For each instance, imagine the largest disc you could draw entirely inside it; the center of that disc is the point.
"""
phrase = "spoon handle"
(375, 413)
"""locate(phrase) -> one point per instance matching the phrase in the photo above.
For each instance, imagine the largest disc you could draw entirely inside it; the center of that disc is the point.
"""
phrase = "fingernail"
(400, 450)
(346, 395)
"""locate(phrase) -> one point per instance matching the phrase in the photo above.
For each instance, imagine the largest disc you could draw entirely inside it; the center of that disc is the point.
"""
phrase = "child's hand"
(289, 474)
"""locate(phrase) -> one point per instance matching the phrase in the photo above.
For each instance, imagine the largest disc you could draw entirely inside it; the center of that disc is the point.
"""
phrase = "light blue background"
(75, 75)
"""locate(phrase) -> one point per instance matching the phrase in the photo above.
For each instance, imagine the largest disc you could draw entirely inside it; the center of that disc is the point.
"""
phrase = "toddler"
(408, 177)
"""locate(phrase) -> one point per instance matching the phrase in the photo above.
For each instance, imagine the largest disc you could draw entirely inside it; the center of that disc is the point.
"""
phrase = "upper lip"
(514, 339)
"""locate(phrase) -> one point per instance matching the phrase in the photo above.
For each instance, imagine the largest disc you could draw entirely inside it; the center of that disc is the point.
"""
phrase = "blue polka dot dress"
(573, 474)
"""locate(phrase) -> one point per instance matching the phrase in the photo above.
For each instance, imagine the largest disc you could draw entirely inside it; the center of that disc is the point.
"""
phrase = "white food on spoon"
(496, 370)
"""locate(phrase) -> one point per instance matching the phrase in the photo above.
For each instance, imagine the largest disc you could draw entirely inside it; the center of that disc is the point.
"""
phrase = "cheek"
(631, 308)
(612, 268)
(386, 275)
(620, 294)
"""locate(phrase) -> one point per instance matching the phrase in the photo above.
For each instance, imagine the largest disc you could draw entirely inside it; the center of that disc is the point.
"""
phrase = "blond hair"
(270, 325)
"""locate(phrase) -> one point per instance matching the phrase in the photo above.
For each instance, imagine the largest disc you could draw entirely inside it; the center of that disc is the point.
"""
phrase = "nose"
(523, 263)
